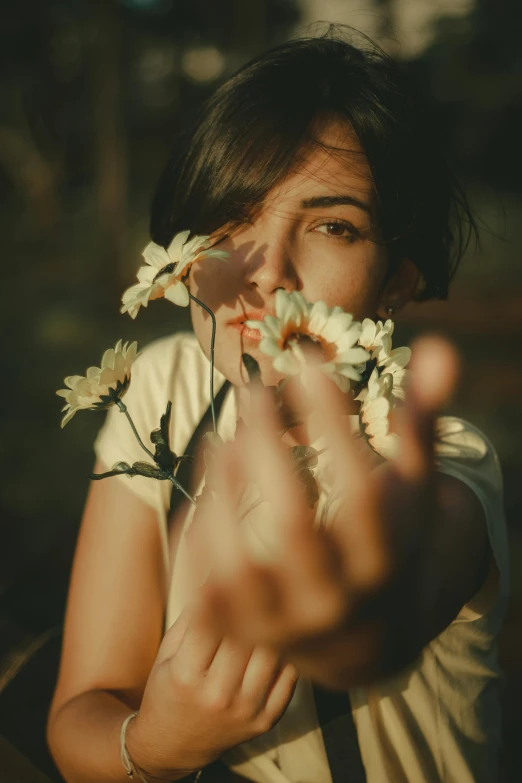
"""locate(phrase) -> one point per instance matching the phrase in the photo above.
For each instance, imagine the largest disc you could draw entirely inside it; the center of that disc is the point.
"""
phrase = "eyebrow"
(334, 201)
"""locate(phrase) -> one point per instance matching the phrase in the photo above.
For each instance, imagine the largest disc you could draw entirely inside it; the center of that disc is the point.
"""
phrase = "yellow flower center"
(314, 347)
(165, 271)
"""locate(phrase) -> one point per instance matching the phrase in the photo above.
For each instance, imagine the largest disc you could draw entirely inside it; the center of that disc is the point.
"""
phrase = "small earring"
(390, 310)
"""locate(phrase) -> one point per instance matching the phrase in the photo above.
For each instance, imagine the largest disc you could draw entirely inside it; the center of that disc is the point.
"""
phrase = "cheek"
(351, 280)
(217, 283)
(202, 327)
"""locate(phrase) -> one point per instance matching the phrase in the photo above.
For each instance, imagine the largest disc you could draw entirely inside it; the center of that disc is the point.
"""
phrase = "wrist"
(144, 759)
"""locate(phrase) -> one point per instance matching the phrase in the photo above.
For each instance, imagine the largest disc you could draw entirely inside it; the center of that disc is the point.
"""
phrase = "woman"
(316, 169)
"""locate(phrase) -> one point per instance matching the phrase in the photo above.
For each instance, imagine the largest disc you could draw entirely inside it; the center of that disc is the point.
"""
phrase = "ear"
(400, 289)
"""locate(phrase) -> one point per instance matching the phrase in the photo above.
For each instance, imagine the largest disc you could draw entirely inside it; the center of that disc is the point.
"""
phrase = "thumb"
(435, 367)
(434, 372)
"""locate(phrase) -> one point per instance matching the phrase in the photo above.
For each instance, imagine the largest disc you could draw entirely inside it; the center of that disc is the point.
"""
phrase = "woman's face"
(315, 234)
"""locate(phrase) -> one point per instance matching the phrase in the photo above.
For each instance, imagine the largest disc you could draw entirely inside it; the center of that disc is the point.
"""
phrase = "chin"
(230, 364)
(235, 372)
(229, 348)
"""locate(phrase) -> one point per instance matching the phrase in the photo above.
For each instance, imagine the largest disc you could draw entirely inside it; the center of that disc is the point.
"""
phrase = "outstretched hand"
(331, 599)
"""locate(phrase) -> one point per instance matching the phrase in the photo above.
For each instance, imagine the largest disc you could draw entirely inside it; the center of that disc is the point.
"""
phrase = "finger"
(172, 639)
(198, 559)
(229, 665)
(358, 533)
(303, 593)
(269, 464)
(306, 568)
(200, 641)
(263, 668)
(281, 693)
(237, 590)
(435, 369)
(214, 543)
(246, 598)
(220, 524)
(306, 572)
(330, 421)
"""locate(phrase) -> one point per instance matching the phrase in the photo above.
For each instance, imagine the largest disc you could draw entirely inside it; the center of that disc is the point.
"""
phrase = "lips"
(247, 332)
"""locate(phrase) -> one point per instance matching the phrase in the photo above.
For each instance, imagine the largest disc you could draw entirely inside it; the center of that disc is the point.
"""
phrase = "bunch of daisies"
(357, 356)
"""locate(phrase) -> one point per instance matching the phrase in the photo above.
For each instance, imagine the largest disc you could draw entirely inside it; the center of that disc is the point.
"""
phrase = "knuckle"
(325, 610)
(380, 570)
(264, 722)
(216, 700)
(181, 678)
(246, 711)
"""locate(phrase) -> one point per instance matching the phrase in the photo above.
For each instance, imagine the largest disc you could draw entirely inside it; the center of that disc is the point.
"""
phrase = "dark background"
(91, 94)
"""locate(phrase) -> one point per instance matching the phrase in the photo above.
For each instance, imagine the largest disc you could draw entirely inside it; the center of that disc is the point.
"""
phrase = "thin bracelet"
(130, 766)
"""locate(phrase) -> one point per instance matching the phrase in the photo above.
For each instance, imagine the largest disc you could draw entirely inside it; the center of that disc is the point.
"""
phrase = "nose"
(271, 268)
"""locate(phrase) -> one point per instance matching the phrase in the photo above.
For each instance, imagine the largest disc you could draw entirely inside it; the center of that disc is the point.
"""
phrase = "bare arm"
(113, 629)
(198, 692)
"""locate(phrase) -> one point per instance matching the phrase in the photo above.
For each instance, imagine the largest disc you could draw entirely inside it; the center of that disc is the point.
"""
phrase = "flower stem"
(176, 483)
(212, 343)
(123, 409)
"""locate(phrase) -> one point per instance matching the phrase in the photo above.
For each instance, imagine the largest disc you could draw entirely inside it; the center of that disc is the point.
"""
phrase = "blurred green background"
(91, 95)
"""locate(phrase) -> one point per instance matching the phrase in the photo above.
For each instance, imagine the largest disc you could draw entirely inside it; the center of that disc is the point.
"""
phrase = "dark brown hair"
(249, 133)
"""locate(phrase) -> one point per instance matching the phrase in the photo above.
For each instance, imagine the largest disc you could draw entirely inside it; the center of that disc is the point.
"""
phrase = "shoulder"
(175, 369)
(169, 367)
(458, 439)
(163, 356)
(157, 372)
(464, 453)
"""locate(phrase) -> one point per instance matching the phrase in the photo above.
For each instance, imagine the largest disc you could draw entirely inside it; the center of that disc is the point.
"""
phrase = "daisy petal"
(174, 249)
(156, 256)
(286, 363)
(178, 294)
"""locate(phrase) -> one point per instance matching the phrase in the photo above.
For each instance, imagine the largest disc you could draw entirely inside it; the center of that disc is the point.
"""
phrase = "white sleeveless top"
(439, 720)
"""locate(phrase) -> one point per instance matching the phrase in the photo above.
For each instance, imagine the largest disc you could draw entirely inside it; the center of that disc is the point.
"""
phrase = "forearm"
(84, 739)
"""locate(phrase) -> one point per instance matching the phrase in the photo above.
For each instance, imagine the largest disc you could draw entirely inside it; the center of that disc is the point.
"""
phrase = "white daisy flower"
(394, 365)
(374, 415)
(163, 275)
(329, 330)
(102, 386)
(376, 338)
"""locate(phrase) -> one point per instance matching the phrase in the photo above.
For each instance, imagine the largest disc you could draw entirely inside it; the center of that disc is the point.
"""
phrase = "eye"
(338, 229)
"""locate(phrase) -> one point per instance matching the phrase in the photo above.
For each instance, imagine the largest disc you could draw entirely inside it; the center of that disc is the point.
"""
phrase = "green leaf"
(165, 423)
(288, 416)
(304, 456)
(307, 478)
(117, 469)
(122, 466)
(160, 436)
(146, 469)
(137, 469)
(252, 368)
(166, 459)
